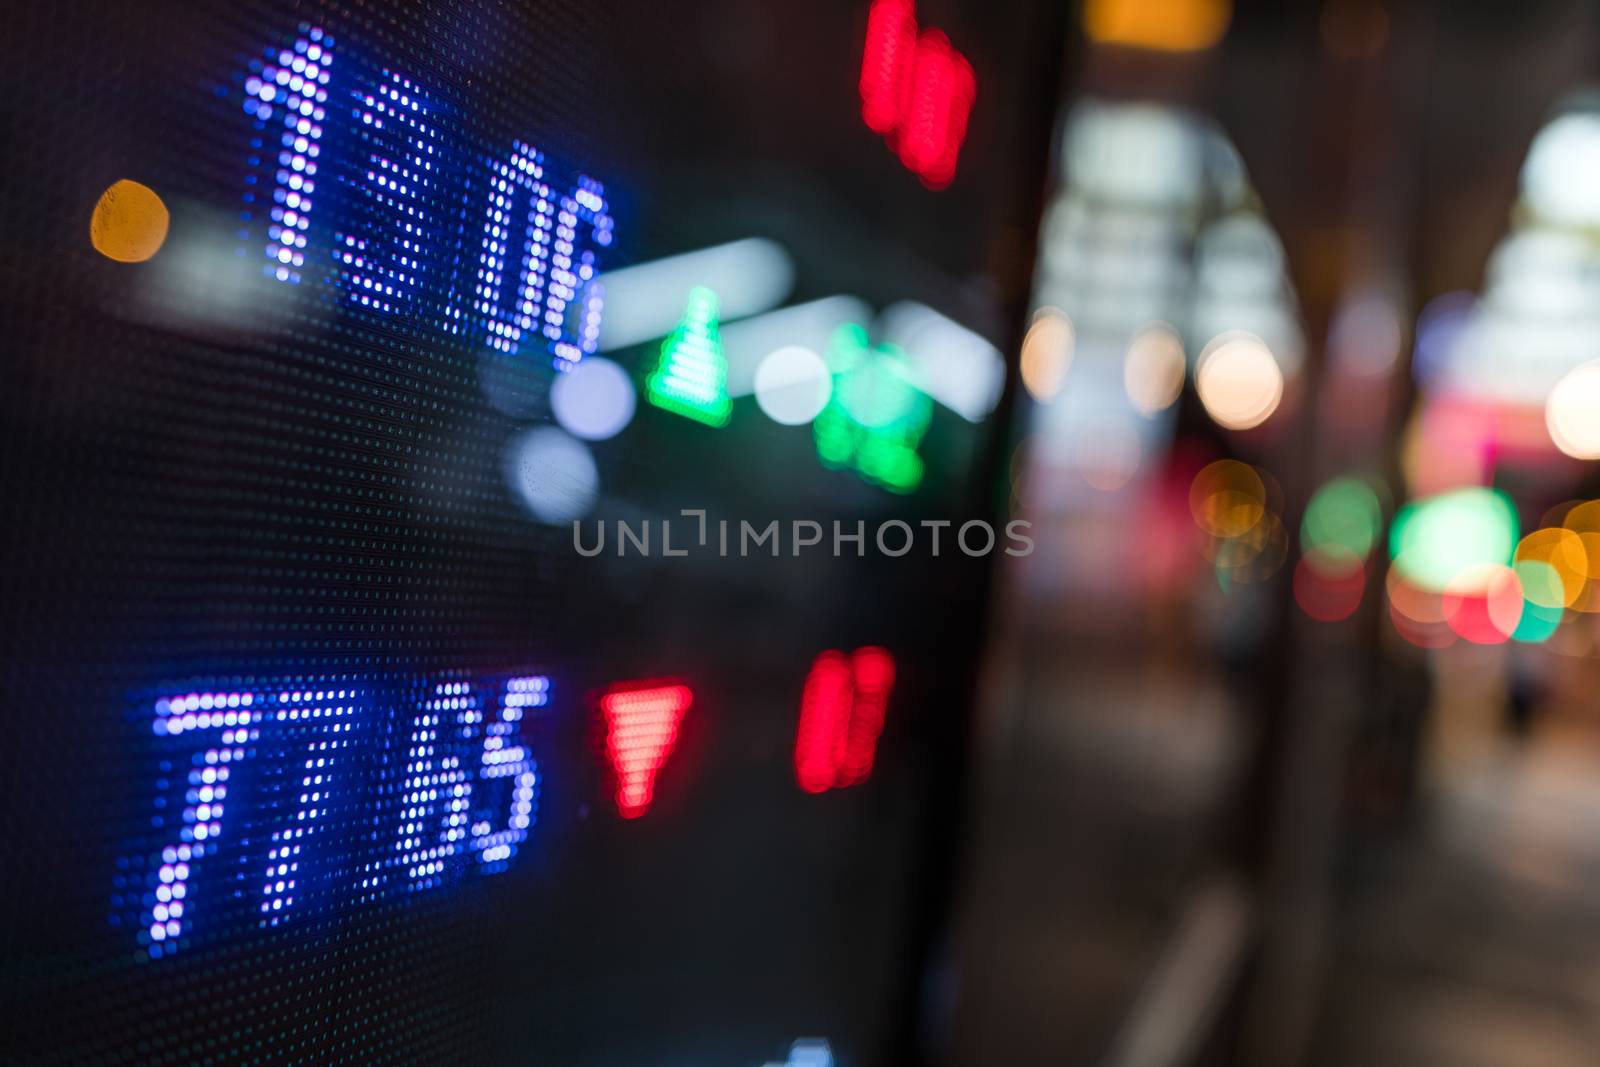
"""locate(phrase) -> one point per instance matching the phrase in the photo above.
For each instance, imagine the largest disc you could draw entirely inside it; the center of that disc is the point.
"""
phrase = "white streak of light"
(957, 367)
(647, 300)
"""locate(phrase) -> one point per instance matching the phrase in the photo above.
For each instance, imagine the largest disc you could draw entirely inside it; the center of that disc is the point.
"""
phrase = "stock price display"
(353, 767)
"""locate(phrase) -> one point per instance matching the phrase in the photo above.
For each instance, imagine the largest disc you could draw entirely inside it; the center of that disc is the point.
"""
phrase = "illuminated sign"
(277, 798)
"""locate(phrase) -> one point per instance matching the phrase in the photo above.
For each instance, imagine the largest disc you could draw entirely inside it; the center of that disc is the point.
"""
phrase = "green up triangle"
(691, 377)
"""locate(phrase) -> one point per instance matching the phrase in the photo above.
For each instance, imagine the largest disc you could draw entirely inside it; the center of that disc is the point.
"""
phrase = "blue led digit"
(455, 756)
(539, 253)
(318, 728)
(382, 256)
(286, 94)
(204, 783)
(438, 788)
(516, 247)
(499, 826)
(284, 762)
(540, 259)
(582, 227)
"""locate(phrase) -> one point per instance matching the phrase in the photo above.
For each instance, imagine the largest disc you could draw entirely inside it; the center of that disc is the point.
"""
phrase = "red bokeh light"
(1484, 604)
(1328, 585)
(641, 730)
(916, 90)
(1417, 614)
(841, 716)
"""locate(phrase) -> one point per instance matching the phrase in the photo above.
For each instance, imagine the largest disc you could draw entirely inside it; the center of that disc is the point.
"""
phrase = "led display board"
(339, 333)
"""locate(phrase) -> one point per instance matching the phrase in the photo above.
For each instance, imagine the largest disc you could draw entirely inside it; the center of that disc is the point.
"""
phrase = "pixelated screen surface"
(324, 744)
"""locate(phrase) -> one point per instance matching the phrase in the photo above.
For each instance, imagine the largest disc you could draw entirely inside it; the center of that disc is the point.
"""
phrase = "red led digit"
(819, 745)
(841, 716)
(916, 90)
(886, 63)
(934, 121)
(873, 672)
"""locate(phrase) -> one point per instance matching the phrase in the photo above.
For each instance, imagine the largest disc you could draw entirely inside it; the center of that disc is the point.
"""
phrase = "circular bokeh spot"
(1343, 514)
(1328, 584)
(1153, 369)
(595, 400)
(1572, 412)
(1227, 498)
(552, 473)
(1239, 382)
(129, 223)
(793, 385)
(1483, 603)
(1435, 540)
(1553, 564)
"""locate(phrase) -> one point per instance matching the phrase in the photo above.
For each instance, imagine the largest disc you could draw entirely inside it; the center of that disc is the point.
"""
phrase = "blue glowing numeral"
(500, 825)
(305, 735)
(515, 245)
(455, 754)
(545, 254)
(379, 265)
(539, 256)
(287, 94)
(282, 762)
(302, 780)
(583, 226)
(438, 789)
(204, 784)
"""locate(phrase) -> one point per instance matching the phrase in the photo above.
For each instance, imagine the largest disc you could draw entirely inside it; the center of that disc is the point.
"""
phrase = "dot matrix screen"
(328, 738)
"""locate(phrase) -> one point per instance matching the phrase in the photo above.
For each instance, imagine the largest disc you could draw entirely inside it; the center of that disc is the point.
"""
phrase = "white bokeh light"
(1572, 412)
(1153, 369)
(1557, 178)
(793, 385)
(1239, 381)
(595, 400)
(552, 473)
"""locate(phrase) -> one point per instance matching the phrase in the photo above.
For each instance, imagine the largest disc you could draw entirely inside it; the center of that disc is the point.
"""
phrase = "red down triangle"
(641, 730)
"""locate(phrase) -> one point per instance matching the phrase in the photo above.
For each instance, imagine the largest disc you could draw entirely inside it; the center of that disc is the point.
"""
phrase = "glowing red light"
(824, 722)
(886, 63)
(1417, 614)
(934, 122)
(641, 730)
(1484, 604)
(916, 90)
(841, 716)
(1329, 587)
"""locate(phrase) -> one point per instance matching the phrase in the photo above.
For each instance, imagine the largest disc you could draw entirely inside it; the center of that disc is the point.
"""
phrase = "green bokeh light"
(1344, 513)
(1537, 623)
(876, 416)
(1434, 540)
(1541, 583)
(1543, 600)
